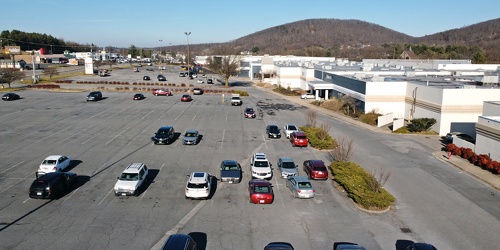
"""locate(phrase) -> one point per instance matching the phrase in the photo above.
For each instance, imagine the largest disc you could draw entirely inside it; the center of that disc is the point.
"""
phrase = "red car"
(165, 92)
(299, 139)
(261, 192)
(315, 169)
(186, 98)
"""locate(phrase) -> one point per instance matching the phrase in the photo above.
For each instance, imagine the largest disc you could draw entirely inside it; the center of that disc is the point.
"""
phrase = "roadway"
(437, 203)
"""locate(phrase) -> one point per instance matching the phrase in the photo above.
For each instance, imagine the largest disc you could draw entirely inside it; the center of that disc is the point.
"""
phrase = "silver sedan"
(300, 186)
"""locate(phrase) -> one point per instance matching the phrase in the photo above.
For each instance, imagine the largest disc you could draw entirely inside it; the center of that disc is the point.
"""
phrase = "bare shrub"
(311, 117)
(334, 105)
(378, 179)
(323, 131)
(343, 151)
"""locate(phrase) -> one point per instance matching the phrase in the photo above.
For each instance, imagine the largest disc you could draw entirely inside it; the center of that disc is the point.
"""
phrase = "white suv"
(198, 185)
(261, 167)
(131, 179)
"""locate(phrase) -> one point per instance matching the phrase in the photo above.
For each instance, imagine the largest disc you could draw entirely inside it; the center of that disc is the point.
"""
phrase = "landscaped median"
(362, 187)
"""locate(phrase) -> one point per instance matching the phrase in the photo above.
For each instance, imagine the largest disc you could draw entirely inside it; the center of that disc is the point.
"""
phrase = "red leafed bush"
(474, 159)
(457, 151)
(467, 153)
(483, 160)
(449, 147)
(183, 85)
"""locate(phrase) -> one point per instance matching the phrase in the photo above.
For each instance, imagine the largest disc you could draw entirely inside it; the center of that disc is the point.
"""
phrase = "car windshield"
(261, 164)
(49, 162)
(162, 132)
(129, 177)
(261, 189)
(249, 110)
(292, 127)
(287, 165)
(321, 168)
(304, 185)
(301, 137)
(197, 185)
(273, 129)
(190, 134)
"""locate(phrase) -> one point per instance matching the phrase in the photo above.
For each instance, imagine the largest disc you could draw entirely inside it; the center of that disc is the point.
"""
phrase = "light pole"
(187, 60)
(161, 68)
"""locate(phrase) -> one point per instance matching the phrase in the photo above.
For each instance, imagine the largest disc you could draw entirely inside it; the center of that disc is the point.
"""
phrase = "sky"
(153, 23)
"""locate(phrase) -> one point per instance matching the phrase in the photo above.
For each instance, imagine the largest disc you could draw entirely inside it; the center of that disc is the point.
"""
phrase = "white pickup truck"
(236, 100)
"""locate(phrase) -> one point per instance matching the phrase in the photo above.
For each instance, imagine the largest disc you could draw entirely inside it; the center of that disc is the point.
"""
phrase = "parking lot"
(106, 136)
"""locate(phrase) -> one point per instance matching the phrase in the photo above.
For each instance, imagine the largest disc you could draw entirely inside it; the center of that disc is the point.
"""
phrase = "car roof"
(286, 159)
(423, 246)
(133, 168)
(300, 178)
(288, 125)
(53, 157)
(177, 241)
(259, 182)
(317, 162)
(191, 131)
(229, 162)
(52, 175)
(273, 126)
(165, 127)
(198, 177)
(299, 133)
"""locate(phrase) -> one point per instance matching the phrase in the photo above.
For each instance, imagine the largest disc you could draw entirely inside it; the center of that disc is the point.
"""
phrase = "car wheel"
(136, 193)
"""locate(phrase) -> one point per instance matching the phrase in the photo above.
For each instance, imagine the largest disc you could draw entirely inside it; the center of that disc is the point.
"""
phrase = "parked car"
(315, 169)
(161, 78)
(94, 96)
(308, 96)
(230, 171)
(136, 69)
(273, 131)
(182, 74)
(200, 81)
(279, 246)
(260, 192)
(131, 179)
(347, 246)
(197, 91)
(449, 137)
(10, 97)
(421, 246)
(54, 163)
(164, 135)
(198, 185)
(191, 137)
(261, 167)
(299, 139)
(290, 128)
(52, 185)
(209, 81)
(165, 92)
(287, 167)
(139, 96)
(146, 78)
(300, 186)
(236, 100)
(249, 113)
(204, 76)
(186, 98)
(179, 242)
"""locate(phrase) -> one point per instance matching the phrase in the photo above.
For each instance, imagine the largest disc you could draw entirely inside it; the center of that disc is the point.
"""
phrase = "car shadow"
(403, 244)
(200, 239)
(152, 173)
(200, 137)
(73, 164)
(213, 188)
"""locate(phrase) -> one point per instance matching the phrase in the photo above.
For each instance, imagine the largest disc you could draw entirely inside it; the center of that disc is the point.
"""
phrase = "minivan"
(179, 242)
(164, 135)
(52, 185)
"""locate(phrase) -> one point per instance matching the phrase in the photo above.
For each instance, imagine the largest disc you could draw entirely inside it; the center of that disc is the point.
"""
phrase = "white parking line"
(11, 167)
(74, 191)
(105, 197)
(138, 136)
(147, 114)
(21, 179)
(227, 114)
(195, 115)
(116, 136)
(180, 115)
(222, 141)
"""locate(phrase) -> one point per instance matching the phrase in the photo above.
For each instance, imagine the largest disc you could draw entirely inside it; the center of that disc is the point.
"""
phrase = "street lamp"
(187, 38)
(160, 57)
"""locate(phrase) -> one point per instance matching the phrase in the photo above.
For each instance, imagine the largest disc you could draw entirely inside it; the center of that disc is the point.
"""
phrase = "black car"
(164, 135)
(139, 96)
(94, 96)
(249, 113)
(146, 78)
(161, 78)
(52, 185)
(421, 246)
(209, 81)
(279, 246)
(273, 131)
(10, 97)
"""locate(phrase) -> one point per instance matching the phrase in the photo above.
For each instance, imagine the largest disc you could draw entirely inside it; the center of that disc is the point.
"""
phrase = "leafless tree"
(225, 62)
(10, 75)
(349, 104)
(51, 71)
(343, 151)
(311, 117)
(323, 131)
